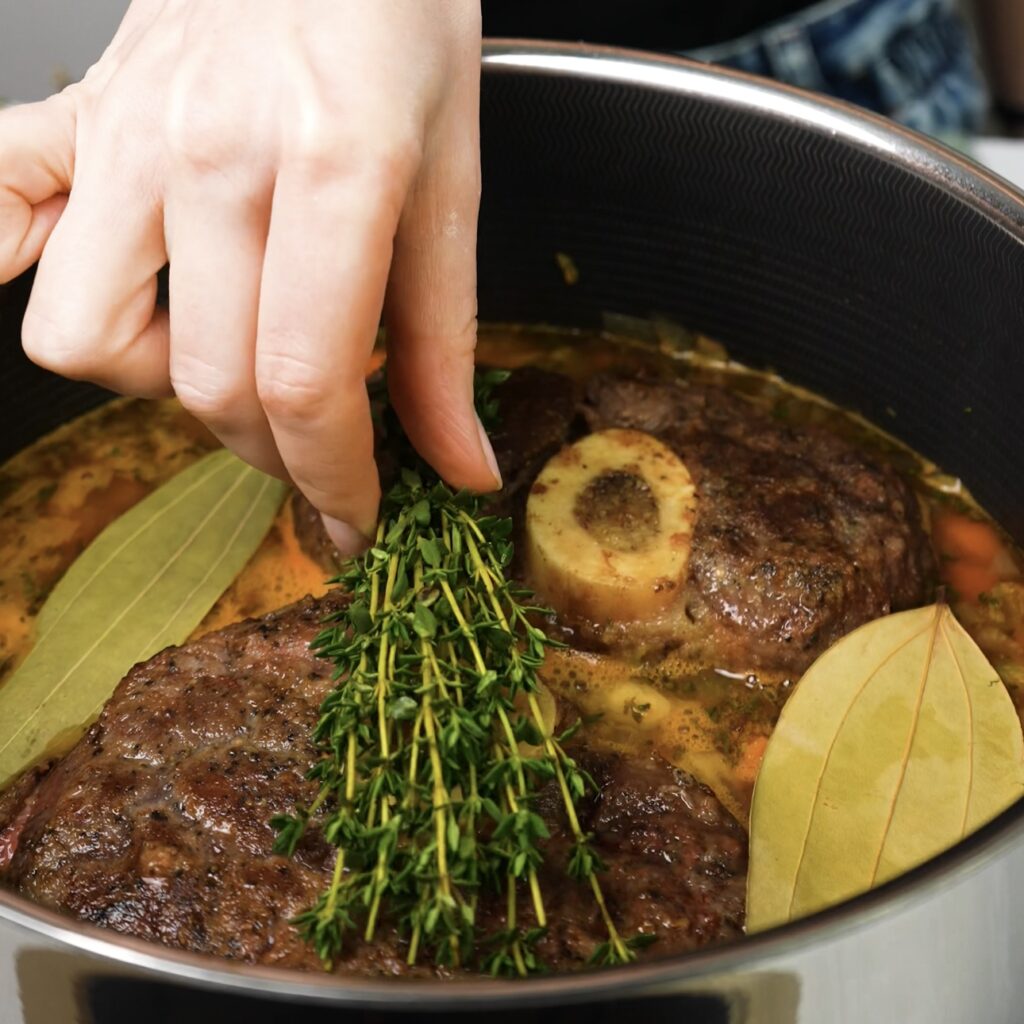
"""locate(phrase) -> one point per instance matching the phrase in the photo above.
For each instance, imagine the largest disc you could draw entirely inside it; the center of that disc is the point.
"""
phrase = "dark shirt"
(668, 25)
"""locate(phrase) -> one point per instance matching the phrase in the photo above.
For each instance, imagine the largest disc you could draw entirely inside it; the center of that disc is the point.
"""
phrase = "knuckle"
(386, 167)
(385, 178)
(196, 146)
(393, 163)
(200, 137)
(68, 351)
(461, 343)
(289, 387)
(206, 396)
(320, 153)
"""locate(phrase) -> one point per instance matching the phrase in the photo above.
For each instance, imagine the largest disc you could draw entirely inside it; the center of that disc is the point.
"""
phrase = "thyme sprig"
(425, 788)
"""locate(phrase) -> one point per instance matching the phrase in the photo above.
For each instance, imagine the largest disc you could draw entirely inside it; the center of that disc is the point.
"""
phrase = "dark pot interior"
(849, 271)
(878, 283)
(853, 258)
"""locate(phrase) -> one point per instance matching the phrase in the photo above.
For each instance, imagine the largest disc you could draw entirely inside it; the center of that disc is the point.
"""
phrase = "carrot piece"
(750, 759)
(969, 579)
(958, 537)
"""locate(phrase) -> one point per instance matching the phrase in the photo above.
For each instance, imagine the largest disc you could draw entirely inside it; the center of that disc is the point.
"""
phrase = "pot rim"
(958, 176)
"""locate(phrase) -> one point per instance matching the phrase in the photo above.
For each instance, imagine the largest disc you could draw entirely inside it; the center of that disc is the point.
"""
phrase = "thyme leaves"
(434, 746)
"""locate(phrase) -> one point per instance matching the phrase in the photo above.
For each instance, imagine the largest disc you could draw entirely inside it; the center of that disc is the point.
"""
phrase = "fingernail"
(485, 444)
(347, 539)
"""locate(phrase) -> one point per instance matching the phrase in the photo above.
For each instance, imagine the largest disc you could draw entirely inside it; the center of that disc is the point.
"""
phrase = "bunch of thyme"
(425, 789)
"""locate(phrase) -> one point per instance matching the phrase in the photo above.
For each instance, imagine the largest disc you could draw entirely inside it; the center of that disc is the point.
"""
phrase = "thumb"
(37, 156)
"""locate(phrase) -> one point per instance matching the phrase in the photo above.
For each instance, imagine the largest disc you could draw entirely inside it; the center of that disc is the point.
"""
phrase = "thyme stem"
(426, 781)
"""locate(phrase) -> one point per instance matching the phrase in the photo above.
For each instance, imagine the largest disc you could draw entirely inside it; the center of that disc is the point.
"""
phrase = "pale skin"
(305, 168)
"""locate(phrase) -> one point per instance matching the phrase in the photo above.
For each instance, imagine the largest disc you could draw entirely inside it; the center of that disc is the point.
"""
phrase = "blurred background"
(44, 44)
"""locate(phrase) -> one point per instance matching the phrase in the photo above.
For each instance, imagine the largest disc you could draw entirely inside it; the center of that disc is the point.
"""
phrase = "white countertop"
(1004, 156)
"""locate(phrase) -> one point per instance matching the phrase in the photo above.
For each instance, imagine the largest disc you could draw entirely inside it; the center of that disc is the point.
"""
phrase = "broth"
(56, 495)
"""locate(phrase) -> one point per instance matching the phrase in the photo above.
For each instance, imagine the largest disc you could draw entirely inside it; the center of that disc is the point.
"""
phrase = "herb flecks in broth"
(711, 718)
(76, 480)
(142, 585)
(57, 495)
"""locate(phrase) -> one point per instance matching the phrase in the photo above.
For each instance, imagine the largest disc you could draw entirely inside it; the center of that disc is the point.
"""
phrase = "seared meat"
(536, 411)
(676, 860)
(537, 408)
(311, 535)
(16, 803)
(800, 537)
(156, 823)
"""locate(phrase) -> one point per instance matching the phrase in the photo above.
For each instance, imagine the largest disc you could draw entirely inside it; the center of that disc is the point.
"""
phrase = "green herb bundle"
(424, 786)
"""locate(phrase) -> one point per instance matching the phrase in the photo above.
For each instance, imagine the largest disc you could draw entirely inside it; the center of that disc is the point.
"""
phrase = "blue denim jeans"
(909, 59)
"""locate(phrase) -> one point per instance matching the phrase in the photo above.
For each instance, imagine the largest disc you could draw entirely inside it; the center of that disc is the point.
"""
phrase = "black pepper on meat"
(157, 823)
(800, 536)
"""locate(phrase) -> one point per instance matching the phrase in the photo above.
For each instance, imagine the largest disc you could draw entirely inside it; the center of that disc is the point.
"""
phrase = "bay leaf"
(897, 742)
(143, 584)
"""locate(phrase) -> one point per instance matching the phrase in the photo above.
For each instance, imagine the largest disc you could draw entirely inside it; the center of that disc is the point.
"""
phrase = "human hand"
(297, 162)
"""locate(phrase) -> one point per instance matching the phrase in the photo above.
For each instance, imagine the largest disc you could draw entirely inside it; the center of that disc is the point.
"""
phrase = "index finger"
(324, 275)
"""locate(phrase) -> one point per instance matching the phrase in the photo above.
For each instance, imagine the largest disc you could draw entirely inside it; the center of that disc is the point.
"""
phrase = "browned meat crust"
(676, 859)
(156, 823)
(537, 408)
(800, 537)
(536, 412)
(311, 535)
(16, 805)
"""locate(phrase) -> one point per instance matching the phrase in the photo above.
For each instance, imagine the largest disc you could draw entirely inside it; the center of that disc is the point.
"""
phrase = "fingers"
(91, 314)
(37, 151)
(216, 265)
(431, 306)
(325, 271)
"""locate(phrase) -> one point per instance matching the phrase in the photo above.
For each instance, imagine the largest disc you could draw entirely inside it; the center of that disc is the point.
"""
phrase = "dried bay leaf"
(897, 742)
(143, 584)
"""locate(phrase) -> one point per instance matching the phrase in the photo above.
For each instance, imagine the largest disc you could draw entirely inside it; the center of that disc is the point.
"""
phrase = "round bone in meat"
(609, 522)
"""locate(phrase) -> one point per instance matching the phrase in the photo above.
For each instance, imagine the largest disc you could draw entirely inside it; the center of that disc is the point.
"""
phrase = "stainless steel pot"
(857, 258)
